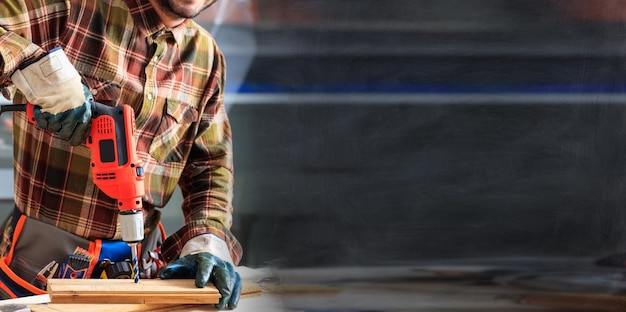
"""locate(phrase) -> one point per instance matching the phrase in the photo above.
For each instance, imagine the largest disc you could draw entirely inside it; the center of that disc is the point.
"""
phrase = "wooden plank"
(66, 292)
(148, 291)
(117, 307)
(95, 307)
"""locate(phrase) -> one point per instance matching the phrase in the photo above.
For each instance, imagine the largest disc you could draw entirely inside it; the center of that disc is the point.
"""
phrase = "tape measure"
(116, 270)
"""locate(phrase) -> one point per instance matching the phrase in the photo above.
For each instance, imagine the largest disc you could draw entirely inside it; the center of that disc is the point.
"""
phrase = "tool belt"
(39, 249)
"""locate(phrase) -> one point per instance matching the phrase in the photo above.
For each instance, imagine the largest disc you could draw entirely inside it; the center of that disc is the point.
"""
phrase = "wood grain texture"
(248, 290)
(96, 307)
(156, 291)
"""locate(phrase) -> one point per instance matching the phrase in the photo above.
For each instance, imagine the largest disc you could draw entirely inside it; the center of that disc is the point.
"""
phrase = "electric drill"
(116, 169)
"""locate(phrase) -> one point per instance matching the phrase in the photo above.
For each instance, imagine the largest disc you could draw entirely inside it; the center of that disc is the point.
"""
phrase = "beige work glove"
(50, 82)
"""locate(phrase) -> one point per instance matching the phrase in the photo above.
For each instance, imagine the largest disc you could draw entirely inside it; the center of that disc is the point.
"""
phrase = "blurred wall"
(371, 132)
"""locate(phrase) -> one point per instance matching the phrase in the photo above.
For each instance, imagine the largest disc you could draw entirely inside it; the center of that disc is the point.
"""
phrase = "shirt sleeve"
(21, 38)
(207, 180)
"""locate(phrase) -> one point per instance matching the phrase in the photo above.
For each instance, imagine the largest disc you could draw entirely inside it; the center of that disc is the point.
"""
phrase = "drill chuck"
(131, 223)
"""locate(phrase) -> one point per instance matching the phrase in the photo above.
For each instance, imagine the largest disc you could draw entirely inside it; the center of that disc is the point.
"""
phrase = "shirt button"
(150, 96)
(94, 91)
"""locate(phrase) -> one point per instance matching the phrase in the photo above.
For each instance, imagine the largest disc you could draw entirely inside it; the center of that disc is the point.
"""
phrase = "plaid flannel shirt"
(173, 79)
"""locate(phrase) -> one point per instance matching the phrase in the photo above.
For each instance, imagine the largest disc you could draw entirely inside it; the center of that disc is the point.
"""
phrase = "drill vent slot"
(105, 176)
(105, 126)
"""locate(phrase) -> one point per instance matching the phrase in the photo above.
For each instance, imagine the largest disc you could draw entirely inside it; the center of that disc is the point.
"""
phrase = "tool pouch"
(35, 244)
(75, 267)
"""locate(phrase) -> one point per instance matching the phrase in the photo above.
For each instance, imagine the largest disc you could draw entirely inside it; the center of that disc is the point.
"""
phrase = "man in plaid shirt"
(149, 54)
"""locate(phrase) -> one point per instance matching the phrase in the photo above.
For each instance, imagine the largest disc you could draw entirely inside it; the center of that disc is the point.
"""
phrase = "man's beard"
(175, 10)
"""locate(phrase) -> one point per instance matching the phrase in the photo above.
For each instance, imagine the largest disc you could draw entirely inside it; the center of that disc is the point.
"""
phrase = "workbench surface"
(470, 285)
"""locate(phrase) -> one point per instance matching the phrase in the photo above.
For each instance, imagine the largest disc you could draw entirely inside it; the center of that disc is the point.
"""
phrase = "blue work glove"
(205, 267)
(72, 124)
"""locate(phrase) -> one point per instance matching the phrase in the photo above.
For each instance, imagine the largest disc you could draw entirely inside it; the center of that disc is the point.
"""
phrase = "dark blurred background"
(384, 132)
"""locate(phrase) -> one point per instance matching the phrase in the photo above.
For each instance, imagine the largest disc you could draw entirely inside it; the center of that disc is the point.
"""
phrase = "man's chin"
(187, 8)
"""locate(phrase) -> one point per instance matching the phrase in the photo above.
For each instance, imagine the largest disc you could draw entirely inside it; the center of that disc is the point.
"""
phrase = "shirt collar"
(149, 23)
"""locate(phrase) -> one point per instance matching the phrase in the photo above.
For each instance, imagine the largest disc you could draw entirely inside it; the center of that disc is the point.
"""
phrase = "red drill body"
(116, 169)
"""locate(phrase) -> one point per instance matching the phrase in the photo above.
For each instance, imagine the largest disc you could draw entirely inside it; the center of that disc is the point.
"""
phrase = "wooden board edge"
(100, 293)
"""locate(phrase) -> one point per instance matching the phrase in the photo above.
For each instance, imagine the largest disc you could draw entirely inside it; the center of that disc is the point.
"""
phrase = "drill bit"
(135, 262)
